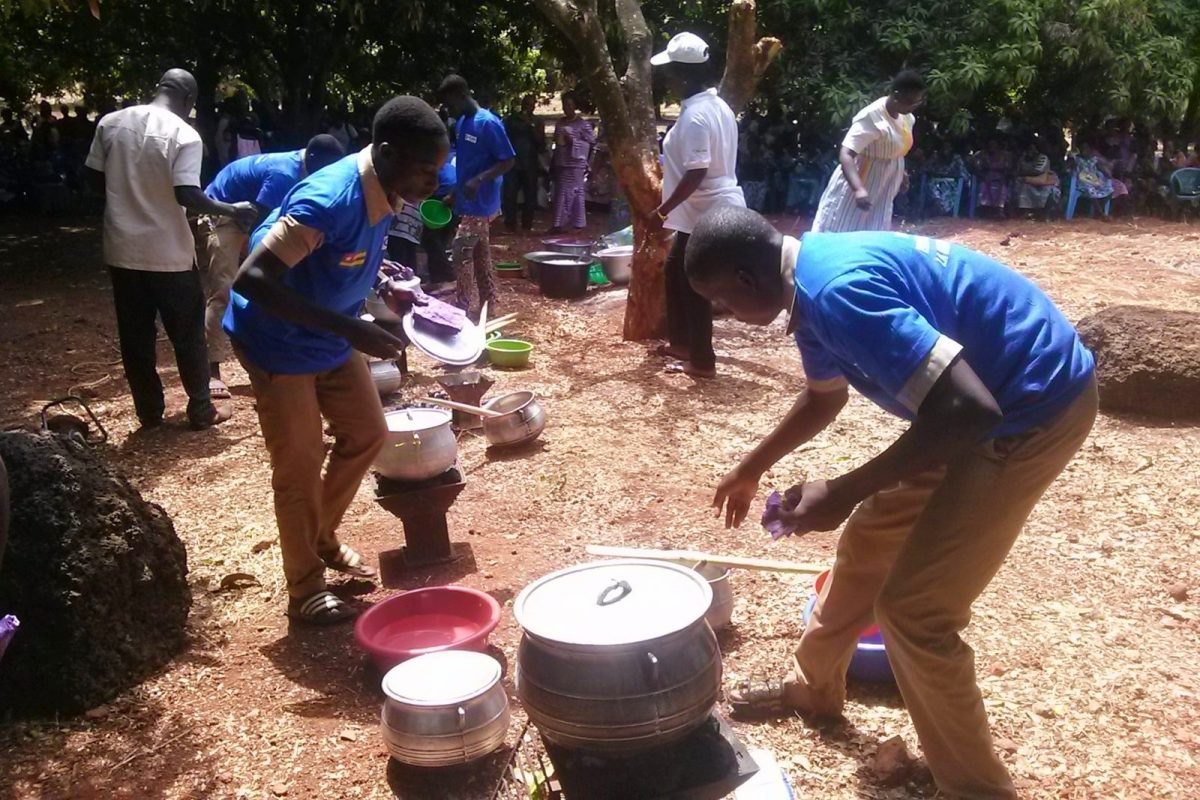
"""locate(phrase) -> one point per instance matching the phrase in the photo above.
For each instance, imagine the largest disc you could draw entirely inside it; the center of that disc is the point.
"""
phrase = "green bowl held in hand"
(435, 214)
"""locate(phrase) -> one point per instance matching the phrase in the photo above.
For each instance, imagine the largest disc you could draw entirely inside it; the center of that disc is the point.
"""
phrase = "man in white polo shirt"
(145, 160)
(699, 174)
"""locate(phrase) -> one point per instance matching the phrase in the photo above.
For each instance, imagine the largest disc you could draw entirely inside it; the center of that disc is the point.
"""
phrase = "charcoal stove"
(466, 387)
(708, 764)
(422, 507)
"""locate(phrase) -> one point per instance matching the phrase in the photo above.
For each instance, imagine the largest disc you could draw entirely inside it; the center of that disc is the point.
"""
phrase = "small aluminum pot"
(617, 263)
(720, 611)
(420, 445)
(387, 376)
(443, 709)
(523, 420)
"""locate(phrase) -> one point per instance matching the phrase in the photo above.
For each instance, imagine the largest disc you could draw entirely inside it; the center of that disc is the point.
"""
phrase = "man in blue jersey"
(1000, 392)
(293, 319)
(263, 180)
(483, 155)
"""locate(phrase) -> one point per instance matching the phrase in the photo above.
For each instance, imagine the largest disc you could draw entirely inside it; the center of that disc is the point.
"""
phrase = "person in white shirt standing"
(699, 174)
(145, 161)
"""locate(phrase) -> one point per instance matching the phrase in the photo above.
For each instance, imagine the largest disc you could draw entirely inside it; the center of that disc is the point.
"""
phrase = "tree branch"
(746, 61)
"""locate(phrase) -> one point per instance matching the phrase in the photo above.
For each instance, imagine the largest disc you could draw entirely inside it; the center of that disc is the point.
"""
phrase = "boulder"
(96, 575)
(1147, 360)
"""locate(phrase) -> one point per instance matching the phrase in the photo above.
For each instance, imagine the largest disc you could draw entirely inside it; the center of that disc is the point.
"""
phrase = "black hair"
(321, 151)
(405, 121)
(453, 84)
(730, 238)
(908, 81)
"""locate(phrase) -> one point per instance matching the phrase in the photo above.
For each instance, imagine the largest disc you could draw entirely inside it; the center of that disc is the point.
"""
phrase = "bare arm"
(260, 280)
(957, 414)
(846, 157)
(810, 414)
(687, 187)
(196, 201)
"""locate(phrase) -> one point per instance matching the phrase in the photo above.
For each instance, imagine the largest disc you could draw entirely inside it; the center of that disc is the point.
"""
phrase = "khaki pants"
(308, 508)
(220, 245)
(913, 558)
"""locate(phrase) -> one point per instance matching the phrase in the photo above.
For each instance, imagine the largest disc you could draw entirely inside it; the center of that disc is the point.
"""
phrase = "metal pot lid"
(441, 679)
(613, 602)
(460, 349)
(410, 420)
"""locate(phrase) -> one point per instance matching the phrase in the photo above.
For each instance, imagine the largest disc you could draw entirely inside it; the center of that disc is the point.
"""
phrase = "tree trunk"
(627, 109)
(745, 59)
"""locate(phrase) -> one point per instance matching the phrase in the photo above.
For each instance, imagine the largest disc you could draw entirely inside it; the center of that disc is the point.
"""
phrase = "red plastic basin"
(426, 621)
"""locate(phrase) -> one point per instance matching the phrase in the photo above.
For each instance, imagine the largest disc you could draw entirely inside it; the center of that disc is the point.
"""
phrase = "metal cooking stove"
(707, 765)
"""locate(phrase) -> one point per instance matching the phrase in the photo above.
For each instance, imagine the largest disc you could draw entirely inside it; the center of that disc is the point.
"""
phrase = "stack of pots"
(616, 656)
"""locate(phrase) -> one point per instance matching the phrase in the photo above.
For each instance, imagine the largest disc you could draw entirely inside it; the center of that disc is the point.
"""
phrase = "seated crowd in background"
(1005, 173)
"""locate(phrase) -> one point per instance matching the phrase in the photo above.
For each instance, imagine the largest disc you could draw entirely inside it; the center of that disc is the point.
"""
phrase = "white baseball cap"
(684, 48)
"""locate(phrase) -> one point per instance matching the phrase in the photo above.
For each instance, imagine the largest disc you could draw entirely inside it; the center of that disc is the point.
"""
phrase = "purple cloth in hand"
(772, 518)
(439, 315)
(8, 628)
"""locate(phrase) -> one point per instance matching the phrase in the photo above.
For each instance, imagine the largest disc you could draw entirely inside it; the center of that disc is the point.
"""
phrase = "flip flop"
(667, 351)
(687, 368)
(217, 389)
(321, 608)
(348, 561)
(757, 697)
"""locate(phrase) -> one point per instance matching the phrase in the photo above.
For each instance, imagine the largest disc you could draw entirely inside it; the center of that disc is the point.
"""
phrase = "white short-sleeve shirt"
(144, 153)
(705, 136)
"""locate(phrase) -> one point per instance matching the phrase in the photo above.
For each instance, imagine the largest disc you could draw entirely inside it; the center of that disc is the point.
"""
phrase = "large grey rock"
(1147, 360)
(96, 575)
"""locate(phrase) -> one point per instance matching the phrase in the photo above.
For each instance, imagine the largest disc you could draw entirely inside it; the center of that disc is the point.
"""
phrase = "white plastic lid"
(407, 420)
(441, 679)
(613, 602)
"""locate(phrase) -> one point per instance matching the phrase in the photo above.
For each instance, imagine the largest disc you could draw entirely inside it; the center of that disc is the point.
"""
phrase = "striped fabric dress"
(881, 142)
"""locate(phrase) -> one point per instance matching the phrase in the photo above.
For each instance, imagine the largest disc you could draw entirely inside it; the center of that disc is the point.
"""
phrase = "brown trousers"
(309, 507)
(220, 245)
(914, 558)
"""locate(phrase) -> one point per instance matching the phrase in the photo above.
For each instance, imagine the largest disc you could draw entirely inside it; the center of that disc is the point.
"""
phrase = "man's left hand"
(816, 506)
(471, 188)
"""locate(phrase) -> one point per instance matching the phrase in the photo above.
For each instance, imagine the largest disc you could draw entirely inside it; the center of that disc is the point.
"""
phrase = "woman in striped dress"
(860, 194)
(573, 142)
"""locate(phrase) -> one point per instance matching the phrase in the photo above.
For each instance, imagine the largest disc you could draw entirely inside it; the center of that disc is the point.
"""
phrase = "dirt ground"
(1088, 666)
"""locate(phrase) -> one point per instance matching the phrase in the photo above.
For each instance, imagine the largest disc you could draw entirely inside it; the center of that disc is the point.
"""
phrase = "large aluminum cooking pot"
(523, 419)
(617, 657)
(580, 248)
(419, 446)
(444, 708)
(386, 376)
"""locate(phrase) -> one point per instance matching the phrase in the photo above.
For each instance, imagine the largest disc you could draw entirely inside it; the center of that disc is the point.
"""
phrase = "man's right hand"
(862, 199)
(369, 338)
(735, 493)
(245, 215)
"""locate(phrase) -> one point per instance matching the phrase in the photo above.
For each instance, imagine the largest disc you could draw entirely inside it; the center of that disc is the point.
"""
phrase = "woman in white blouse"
(860, 194)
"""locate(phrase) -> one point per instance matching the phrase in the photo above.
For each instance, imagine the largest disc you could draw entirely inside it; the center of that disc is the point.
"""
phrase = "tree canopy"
(1066, 61)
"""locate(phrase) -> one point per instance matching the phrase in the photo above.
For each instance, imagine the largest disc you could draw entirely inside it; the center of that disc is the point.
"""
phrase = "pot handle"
(652, 669)
(462, 719)
(622, 586)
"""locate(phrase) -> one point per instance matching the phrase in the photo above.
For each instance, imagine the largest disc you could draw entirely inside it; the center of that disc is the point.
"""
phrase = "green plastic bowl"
(435, 214)
(510, 353)
(510, 270)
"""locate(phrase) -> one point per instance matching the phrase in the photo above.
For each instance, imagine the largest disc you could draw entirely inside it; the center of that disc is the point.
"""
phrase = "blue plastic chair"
(1185, 189)
(925, 196)
(1073, 194)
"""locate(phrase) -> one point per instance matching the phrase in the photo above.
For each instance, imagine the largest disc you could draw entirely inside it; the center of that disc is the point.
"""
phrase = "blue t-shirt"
(480, 143)
(871, 306)
(337, 275)
(447, 177)
(263, 180)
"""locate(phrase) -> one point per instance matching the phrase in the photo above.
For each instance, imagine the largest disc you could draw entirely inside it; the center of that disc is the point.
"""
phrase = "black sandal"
(757, 697)
(348, 561)
(321, 608)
